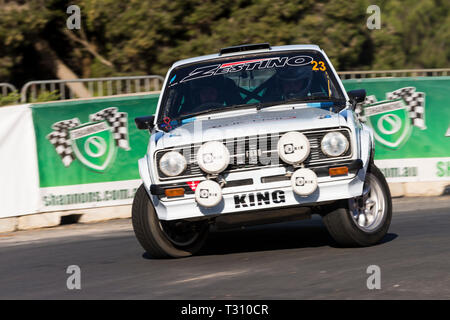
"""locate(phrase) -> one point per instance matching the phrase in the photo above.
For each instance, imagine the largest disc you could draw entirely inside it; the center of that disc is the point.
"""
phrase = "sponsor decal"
(237, 122)
(443, 169)
(206, 193)
(289, 148)
(248, 65)
(259, 199)
(301, 181)
(81, 197)
(394, 118)
(193, 184)
(94, 143)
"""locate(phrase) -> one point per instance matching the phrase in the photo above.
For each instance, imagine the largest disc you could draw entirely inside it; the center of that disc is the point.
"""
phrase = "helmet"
(302, 76)
(206, 90)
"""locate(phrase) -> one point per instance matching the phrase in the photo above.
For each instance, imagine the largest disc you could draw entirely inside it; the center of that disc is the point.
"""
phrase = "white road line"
(215, 275)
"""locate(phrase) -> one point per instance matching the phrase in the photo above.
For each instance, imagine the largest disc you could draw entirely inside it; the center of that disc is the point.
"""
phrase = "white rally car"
(257, 134)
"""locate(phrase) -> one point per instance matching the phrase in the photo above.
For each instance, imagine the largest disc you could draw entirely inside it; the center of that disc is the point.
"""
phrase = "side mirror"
(357, 96)
(145, 122)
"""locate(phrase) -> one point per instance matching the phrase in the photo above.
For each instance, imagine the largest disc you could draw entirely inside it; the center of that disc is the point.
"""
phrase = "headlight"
(172, 163)
(334, 144)
(213, 157)
(293, 147)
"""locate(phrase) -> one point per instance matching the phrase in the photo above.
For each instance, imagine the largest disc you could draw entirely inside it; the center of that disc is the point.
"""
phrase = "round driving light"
(208, 193)
(334, 144)
(304, 182)
(172, 163)
(213, 157)
(293, 147)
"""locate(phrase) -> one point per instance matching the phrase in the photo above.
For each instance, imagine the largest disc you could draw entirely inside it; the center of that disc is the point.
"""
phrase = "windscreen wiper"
(337, 101)
(217, 110)
(212, 110)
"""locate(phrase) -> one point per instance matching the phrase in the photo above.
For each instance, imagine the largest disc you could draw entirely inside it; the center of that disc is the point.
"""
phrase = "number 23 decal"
(318, 66)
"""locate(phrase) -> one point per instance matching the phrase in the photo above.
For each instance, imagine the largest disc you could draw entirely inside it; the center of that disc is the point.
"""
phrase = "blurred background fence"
(6, 89)
(92, 87)
(394, 73)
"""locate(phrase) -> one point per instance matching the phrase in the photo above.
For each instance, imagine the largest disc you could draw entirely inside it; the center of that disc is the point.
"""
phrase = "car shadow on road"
(292, 235)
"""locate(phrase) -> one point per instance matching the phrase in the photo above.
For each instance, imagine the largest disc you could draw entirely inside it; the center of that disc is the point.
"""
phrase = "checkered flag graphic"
(400, 93)
(119, 123)
(61, 141)
(415, 104)
(103, 114)
(359, 107)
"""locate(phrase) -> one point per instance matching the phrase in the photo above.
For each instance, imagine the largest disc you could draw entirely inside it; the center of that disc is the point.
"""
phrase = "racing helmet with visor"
(295, 82)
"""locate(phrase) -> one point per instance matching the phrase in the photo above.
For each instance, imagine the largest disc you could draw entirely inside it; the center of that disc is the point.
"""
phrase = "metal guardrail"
(6, 88)
(96, 87)
(394, 73)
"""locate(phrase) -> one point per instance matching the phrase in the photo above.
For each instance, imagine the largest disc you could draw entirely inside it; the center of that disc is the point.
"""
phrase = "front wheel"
(365, 220)
(165, 239)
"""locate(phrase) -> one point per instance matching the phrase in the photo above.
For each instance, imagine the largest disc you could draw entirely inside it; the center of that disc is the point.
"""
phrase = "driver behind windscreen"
(294, 82)
(208, 94)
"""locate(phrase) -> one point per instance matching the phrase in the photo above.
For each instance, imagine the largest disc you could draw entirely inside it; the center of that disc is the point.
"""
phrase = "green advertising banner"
(88, 150)
(410, 118)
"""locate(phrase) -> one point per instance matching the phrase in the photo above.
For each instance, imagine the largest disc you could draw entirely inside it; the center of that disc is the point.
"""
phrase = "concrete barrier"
(425, 189)
(397, 189)
(8, 224)
(418, 189)
(53, 219)
(91, 215)
(40, 220)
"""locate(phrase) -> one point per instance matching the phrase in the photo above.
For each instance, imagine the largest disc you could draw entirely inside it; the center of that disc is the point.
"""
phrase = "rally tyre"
(162, 239)
(362, 222)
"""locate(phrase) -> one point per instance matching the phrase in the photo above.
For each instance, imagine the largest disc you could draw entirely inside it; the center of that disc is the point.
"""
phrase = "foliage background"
(146, 36)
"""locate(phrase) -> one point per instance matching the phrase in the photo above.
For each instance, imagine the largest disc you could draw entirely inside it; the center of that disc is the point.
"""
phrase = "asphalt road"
(296, 260)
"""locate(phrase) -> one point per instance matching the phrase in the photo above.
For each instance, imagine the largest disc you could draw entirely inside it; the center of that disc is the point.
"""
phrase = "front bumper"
(260, 194)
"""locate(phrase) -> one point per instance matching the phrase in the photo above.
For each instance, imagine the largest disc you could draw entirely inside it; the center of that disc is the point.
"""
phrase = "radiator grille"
(252, 152)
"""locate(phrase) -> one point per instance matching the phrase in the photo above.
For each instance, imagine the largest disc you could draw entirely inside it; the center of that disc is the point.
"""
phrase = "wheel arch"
(367, 148)
(144, 172)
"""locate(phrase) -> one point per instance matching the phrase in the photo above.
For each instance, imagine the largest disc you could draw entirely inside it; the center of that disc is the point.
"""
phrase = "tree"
(146, 37)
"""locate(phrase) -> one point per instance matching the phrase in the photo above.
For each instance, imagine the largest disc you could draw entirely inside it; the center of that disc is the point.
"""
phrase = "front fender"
(366, 150)
(144, 171)
(145, 164)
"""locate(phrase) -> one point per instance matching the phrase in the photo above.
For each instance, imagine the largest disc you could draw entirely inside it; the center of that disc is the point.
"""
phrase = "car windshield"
(245, 81)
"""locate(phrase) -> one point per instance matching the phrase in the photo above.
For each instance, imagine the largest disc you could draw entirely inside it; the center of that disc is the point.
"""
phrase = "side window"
(175, 103)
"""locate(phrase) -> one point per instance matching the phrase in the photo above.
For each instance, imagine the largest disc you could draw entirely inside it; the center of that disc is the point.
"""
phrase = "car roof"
(240, 53)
